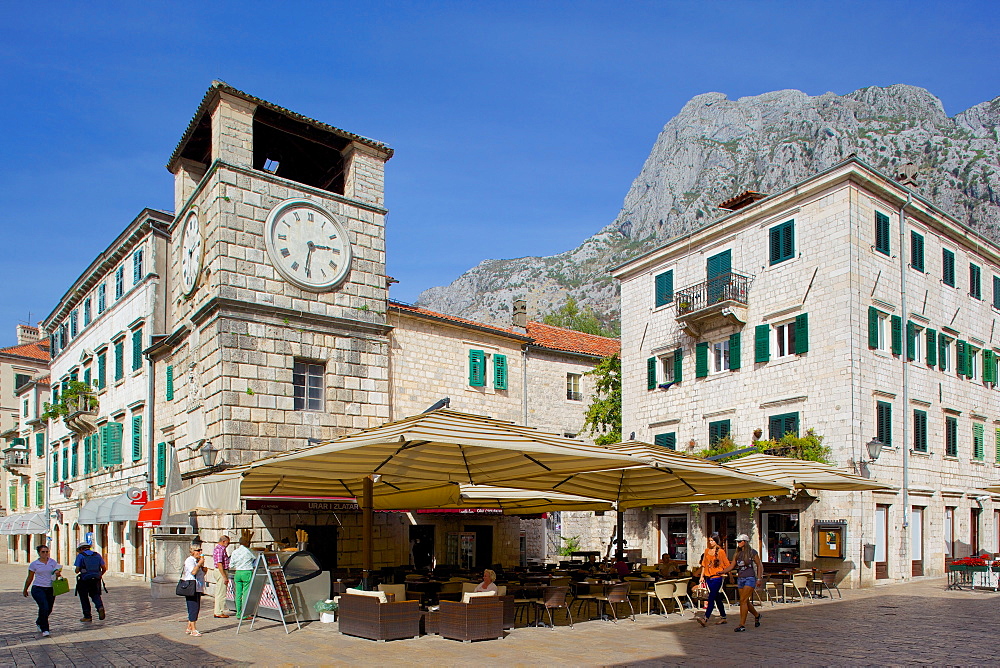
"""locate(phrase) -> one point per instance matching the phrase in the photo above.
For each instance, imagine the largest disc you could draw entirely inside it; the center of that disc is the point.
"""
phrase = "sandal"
(701, 621)
(756, 621)
(721, 621)
(195, 633)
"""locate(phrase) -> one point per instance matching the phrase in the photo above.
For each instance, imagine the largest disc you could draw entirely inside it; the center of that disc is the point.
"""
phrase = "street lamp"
(209, 453)
(874, 450)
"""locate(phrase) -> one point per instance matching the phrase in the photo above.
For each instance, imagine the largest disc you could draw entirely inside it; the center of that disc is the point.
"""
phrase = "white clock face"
(191, 253)
(307, 245)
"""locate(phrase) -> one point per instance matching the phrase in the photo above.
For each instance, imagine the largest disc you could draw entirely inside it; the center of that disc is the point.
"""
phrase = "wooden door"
(139, 549)
(717, 273)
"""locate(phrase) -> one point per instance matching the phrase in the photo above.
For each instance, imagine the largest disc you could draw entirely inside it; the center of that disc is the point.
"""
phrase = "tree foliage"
(808, 447)
(585, 320)
(604, 414)
(76, 396)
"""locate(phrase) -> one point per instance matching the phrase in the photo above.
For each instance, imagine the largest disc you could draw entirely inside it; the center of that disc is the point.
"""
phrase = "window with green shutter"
(975, 282)
(701, 359)
(801, 333)
(477, 368)
(873, 327)
(734, 351)
(781, 244)
(779, 425)
(912, 341)
(978, 451)
(996, 292)
(943, 348)
(678, 364)
(12, 494)
(65, 463)
(500, 372)
(105, 446)
(948, 267)
(916, 250)
(170, 383)
(115, 433)
(137, 349)
(897, 335)
(136, 438)
(86, 455)
(75, 462)
(161, 464)
(717, 431)
(96, 450)
(961, 358)
(931, 349)
(40, 493)
(882, 233)
(664, 288)
(87, 376)
(102, 370)
(762, 343)
(668, 440)
(883, 422)
(951, 436)
(919, 430)
(26, 493)
(39, 445)
(55, 465)
(119, 359)
(989, 366)
(651, 373)
(996, 443)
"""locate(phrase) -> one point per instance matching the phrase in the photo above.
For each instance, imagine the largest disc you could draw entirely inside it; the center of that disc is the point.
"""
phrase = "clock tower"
(276, 333)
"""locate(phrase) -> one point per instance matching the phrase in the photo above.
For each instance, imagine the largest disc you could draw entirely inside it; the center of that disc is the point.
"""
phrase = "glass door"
(881, 547)
(949, 532)
(673, 537)
(917, 541)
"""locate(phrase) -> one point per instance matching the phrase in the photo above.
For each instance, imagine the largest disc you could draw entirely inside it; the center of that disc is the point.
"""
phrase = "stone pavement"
(918, 622)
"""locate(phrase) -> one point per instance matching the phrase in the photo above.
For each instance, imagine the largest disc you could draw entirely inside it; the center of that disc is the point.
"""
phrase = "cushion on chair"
(467, 596)
(380, 595)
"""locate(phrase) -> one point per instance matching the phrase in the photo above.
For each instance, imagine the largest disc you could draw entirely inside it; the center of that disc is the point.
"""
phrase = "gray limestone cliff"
(716, 148)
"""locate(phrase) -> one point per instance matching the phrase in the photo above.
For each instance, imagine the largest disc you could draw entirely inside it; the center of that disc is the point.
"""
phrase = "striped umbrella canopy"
(522, 501)
(668, 477)
(802, 474)
(994, 488)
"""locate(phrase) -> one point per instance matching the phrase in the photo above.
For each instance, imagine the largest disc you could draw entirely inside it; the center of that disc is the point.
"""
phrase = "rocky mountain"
(717, 147)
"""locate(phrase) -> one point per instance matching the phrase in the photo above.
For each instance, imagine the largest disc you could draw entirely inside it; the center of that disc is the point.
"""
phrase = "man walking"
(222, 576)
(90, 568)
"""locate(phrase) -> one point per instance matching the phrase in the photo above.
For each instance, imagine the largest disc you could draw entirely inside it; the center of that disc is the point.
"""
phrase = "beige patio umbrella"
(523, 502)
(994, 488)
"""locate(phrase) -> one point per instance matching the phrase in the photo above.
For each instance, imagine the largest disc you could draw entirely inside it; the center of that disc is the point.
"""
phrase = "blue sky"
(518, 127)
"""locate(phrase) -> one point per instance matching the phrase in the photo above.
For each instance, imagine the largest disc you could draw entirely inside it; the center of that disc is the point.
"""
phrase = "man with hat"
(90, 568)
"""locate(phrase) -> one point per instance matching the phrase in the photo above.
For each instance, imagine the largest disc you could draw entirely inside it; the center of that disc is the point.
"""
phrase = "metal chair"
(826, 580)
(799, 583)
(661, 593)
(613, 595)
(681, 593)
(554, 598)
(584, 598)
(764, 584)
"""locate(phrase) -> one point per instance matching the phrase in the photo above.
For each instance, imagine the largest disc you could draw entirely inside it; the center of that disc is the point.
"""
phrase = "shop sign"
(308, 505)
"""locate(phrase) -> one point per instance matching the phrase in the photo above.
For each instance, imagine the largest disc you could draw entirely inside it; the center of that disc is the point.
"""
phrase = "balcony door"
(717, 275)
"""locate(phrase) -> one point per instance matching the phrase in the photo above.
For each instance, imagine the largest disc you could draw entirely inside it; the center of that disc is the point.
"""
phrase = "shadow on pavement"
(142, 650)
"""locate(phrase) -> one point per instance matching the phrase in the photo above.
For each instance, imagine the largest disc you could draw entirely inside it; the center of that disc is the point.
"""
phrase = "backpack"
(92, 563)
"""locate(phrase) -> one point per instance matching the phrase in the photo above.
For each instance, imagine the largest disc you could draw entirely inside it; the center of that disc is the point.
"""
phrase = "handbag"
(187, 587)
(60, 586)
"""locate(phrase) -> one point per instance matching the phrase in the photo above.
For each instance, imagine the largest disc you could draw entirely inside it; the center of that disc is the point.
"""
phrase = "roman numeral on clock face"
(285, 252)
(295, 266)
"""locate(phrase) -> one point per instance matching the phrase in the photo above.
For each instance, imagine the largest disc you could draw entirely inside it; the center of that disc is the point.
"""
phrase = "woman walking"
(746, 563)
(41, 572)
(194, 569)
(714, 564)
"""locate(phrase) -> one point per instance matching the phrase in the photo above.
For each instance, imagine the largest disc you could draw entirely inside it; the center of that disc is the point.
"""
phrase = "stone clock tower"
(276, 291)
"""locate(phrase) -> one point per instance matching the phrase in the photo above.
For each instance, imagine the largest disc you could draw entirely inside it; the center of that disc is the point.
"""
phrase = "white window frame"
(971, 353)
(307, 373)
(883, 325)
(784, 339)
(719, 362)
(918, 344)
(667, 368)
(945, 352)
(573, 381)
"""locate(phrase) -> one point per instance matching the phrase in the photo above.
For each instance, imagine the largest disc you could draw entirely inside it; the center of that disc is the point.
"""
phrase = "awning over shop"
(122, 508)
(216, 493)
(151, 514)
(24, 523)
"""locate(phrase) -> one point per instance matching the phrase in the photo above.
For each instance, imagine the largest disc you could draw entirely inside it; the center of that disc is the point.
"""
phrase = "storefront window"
(673, 536)
(723, 524)
(781, 538)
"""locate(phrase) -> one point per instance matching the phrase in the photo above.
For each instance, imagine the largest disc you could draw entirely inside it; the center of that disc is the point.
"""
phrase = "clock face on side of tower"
(307, 245)
(191, 253)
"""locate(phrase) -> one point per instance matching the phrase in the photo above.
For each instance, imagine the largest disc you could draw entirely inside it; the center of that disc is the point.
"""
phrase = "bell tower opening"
(298, 151)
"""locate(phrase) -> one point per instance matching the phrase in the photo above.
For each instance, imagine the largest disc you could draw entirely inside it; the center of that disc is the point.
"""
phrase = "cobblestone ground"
(913, 623)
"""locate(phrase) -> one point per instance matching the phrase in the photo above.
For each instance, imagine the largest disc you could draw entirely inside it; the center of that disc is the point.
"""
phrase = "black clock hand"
(312, 247)
(321, 247)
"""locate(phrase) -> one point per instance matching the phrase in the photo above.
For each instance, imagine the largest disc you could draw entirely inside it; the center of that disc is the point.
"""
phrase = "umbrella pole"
(620, 550)
(366, 527)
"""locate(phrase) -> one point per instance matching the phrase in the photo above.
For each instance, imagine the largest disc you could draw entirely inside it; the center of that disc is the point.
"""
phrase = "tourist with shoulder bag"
(90, 570)
(192, 586)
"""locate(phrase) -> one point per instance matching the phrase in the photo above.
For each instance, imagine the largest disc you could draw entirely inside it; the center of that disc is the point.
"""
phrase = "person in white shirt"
(194, 569)
(487, 583)
(242, 563)
(41, 572)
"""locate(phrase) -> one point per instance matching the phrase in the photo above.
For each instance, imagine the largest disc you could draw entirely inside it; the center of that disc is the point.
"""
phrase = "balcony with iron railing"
(15, 458)
(713, 302)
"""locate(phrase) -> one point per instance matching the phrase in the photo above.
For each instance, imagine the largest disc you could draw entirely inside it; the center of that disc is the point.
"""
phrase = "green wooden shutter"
(961, 358)
(931, 356)
(39, 493)
(996, 443)
(651, 373)
(12, 491)
(668, 440)
(873, 315)
(137, 349)
(105, 445)
(762, 343)
(170, 383)
(97, 451)
(883, 422)
(678, 364)
(975, 282)
(801, 333)
(477, 368)
(65, 463)
(948, 262)
(136, 438)
(102, 370)
(718, 431)
(74, 469)
(882, 232)
(734, 352)
(920, 430)
(115, 433)
(87, 377)
(161, 464)
(774, 244)
(951, 437)
(664, 288)
(996, 292)
(86, 455)
(39, 445)
(119, 359)
(942, 351)
(897, 335)
(701, 360)
(989, 366)
(978, 452)
(500, 372)
(55, 465)
(916, 251)
(912, 341)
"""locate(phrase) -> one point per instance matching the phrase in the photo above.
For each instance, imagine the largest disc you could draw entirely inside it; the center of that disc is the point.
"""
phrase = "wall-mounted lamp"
(209, 453)
(874, 450)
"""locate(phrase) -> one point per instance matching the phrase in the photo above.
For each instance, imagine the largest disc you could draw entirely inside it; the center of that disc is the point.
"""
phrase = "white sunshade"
(109, 509)
(804, 474)
(24, 523)
(524, 502)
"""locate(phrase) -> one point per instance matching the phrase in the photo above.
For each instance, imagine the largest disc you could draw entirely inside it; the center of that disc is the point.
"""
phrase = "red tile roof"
(559, 338)
(544, 336)
(38, 350)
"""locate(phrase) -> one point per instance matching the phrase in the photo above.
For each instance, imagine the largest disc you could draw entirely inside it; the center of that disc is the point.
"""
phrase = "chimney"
(520, 315)
(27, 334)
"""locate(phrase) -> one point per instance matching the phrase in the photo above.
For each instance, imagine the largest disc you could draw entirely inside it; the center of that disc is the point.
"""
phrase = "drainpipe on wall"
(906, 381)
(524, 384)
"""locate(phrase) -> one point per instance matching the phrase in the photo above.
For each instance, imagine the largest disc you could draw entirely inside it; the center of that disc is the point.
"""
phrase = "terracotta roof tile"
(416, 310)
(559, 338)
(38, 350)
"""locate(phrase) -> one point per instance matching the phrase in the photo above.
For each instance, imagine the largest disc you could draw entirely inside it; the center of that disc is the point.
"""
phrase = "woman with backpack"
(90, 569)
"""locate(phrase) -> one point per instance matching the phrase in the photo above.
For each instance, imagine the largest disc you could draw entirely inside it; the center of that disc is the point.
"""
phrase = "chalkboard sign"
(269, 589)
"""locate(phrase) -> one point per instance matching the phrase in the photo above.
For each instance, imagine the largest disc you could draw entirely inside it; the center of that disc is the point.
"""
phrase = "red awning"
(150, 514)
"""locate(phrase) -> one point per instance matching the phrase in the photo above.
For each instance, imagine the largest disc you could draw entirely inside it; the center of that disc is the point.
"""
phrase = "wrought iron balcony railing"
(728, 287)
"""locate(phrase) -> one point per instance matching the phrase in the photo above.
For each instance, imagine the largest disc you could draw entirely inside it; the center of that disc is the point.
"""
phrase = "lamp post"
(874, 449)
(209, 453)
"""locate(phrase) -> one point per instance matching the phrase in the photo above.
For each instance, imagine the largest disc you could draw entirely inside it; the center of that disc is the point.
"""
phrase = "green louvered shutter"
(102, 370)
(882, 244)
(734, 352)
(65, 463)
(651, 373)
(170, 383)
(86, 455)
(39, 445)
(931, 356)
(678, 364)
(916, 251)
(897, 335)
(883, 422)
(942, 351)
(978, 451)
(996, 444)
(989, 366)
(161, 464)
(87, 377)
(664, 288)
(701, 360)
(136, 438)
(500, 372)
(137, 349)
(12, 491)
(668, 440)
(911, 341)
(39, 493)
(920, 430)
(104, 433)
(55, 465)
(801, 333)
(762, 343)
(477, 368)
(948, 262)
(873, 327)
(97, 450)
(74, 468)
(116, 432)
(718, 431)
(119, 359)
(961, 358)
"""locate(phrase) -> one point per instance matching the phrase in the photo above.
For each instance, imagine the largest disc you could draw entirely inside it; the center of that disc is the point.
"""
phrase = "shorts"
(746, 582)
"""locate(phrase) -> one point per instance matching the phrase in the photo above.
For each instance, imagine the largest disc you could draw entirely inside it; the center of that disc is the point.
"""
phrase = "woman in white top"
(487, 583)
(194, 569)
(41, 572)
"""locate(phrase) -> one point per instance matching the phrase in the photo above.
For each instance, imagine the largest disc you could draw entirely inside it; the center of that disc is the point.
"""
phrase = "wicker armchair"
(366, 617)
(479, 619)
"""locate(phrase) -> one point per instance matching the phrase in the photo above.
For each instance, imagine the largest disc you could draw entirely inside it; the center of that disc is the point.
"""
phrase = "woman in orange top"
(714, 564)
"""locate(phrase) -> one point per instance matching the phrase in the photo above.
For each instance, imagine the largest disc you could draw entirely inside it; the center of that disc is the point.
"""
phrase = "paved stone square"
(918, 622)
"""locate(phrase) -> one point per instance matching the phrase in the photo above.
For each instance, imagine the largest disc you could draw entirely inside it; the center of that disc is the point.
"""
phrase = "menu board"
(281, 593)
(269, 589)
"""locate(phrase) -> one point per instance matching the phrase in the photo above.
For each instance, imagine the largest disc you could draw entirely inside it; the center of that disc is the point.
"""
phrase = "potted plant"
(327, 610)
